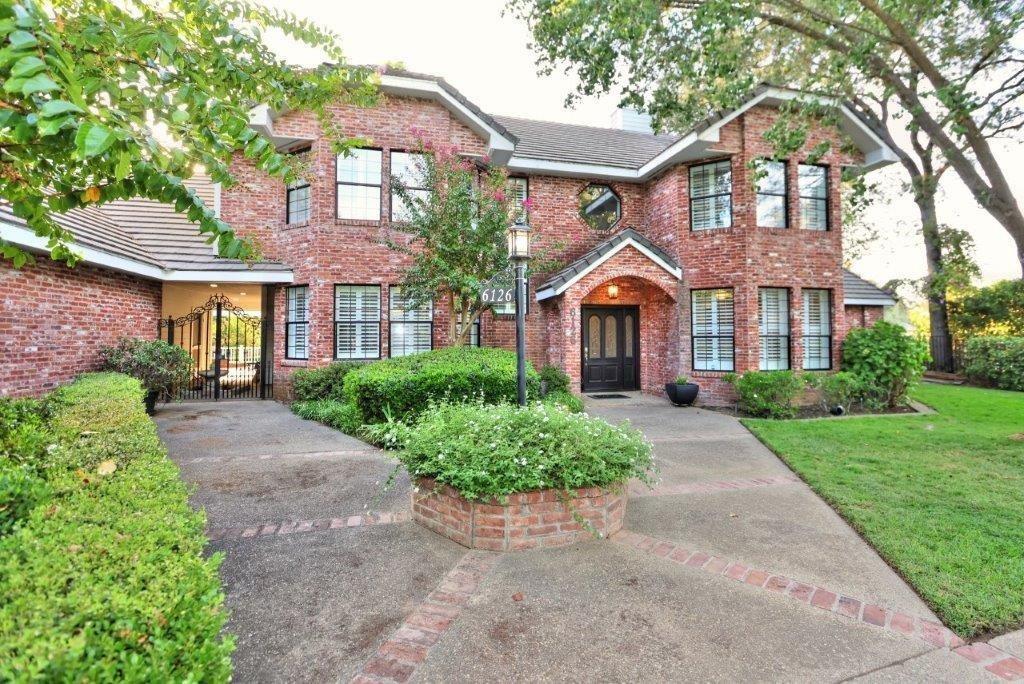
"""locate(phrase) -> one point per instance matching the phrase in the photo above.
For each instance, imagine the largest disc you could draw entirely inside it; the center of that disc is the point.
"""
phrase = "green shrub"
(158, 365)
(493, 451)
(406, 385)
(767, 394)
(21, 490)
(996, 361)
(107, 581)
(886, 358)
(335, 414)
(23, 433)
(567, 400)
(837, 389)
(555, 379)
(311, 384)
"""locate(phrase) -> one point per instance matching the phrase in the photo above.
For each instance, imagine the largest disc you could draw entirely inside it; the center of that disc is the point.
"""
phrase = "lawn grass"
(940, 497)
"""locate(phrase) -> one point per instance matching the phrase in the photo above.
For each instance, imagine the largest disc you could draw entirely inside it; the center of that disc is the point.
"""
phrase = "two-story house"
(674, 259)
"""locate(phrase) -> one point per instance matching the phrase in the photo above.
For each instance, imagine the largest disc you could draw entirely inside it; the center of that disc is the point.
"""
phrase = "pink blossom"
(528, 203)
(486, 159)
(499, 196)
(416, 131)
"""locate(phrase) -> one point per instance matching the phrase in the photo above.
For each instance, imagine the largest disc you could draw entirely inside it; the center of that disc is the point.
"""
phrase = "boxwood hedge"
(996, 361)
(104, 578)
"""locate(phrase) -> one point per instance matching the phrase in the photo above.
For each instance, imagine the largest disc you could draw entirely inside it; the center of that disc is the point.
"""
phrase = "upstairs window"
(412, 327)
(711, 322)
(298, 198)
(813, 197)
(817, 329)
(358, 180)
(297, 322)
(773, 321)
(519, 188)
(357, 321)
(600, 207)
(407, 169)
(711, 196)
(771, 194)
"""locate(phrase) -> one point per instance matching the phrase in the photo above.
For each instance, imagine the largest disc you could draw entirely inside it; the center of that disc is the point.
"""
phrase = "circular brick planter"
(530, 520)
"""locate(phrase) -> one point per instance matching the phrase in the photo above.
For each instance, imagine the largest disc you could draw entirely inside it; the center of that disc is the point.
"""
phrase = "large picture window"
(407, 169)
(711, 196)
(358, 181)
(711, 322)
(411, 327)
(297, 322)
(357, 321)
(773, 321)
(813, 197)
(771, 194)
(817, 329)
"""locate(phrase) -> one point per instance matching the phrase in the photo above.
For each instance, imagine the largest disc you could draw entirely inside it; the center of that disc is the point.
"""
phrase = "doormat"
(608, 396)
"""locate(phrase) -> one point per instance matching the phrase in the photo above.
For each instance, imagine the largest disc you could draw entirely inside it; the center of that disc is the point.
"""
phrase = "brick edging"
(300, 526)
(397, 658)
(994, 660)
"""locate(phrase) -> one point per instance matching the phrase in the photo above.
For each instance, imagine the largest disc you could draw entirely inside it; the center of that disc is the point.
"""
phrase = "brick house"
(673, 262)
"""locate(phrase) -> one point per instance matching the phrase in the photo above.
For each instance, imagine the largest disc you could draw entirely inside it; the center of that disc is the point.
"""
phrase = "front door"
(611, 345)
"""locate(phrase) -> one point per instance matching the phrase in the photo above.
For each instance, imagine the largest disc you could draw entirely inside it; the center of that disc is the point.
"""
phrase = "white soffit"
(675, 271)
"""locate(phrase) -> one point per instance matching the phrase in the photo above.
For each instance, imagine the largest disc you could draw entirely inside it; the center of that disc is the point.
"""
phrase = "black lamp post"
(518, 254)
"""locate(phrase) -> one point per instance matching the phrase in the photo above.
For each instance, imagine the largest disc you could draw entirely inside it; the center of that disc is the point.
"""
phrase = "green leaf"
(22, 39)
(124, 165)
(53, 126)
(40, 83)
(27, 66)
(55, 107)
(93, 139)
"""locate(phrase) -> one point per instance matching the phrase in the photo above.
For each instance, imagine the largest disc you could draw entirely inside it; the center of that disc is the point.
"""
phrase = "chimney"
(629, 119)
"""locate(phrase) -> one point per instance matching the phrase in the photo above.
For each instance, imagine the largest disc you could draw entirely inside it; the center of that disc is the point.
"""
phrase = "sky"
(487, 57)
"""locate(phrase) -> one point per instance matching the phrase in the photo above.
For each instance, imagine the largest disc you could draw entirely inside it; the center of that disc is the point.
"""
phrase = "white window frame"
(359, 322)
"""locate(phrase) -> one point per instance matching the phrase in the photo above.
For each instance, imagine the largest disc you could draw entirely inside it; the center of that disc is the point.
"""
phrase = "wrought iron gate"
(226, 346)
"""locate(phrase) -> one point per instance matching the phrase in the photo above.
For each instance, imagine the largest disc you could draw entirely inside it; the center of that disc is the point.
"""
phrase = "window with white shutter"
(773, 321)
(357, 321)
(817, 329)
(407, 168)
(297, 322)
(520, 190)
(411, 327)
(711, 196)
(711, 322)
(771, 194)
(474, 332)
(358, 185)
(813, 196)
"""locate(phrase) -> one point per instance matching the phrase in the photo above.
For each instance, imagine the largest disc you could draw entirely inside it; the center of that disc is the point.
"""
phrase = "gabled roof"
(561, 281)
(860, 292)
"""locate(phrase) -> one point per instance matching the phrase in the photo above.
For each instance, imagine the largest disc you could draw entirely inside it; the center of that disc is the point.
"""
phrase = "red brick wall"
(860, 316)
(54, 320)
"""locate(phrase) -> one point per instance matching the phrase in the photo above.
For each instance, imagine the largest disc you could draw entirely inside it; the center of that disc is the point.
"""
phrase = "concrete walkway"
(724, 573)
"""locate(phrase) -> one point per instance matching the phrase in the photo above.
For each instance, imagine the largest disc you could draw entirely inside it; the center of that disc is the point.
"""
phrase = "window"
(407, 169)
(711, 196)
(520, 190)
(297, 322)
(711, 321)
(773, 320)
(298, 197)
(509, 308)
(357, 321)
(813, 196)
(412, 327)
(817, 329)
(600, 207)
(771, 194)
(474, 333)
(358, 178)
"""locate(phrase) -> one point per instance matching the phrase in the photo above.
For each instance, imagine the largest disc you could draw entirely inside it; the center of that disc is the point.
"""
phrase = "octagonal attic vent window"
(600, 207)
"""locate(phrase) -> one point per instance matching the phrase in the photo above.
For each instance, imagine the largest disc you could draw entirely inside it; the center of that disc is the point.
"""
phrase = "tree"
(455, 233)
(954, 68)
(112, 100)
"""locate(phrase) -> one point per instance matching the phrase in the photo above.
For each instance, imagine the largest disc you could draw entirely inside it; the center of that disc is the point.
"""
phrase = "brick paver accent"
(300, 526)
(398, 657)
(638, 490)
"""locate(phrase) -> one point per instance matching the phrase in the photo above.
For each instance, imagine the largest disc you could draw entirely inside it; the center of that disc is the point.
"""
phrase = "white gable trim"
(848, 301)
(675, 271)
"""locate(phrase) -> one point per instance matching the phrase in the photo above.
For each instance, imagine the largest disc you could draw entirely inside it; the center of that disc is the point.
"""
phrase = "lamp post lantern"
(519, 254)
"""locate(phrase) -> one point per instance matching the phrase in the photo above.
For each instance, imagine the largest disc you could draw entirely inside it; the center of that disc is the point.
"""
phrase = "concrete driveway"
(731, 569)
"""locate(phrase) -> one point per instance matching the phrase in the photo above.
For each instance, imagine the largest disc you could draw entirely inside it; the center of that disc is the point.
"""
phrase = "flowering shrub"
(767, 394)
(996, 361)
(488, 452)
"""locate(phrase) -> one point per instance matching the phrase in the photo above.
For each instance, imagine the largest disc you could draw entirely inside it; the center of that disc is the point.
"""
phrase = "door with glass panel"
(611, 345)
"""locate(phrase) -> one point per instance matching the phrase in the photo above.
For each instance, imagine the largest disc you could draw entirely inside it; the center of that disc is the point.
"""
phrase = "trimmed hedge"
(767, 394)
(313, 384)
(105, 580)
(996, 361)
(403, 387)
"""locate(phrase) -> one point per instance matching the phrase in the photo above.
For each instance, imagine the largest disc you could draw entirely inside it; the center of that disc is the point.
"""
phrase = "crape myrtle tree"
(948, 73)
(111, 100)
(455, 214)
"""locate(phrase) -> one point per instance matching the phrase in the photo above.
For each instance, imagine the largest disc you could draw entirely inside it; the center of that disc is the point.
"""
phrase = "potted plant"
(681, 391)
(157, 365)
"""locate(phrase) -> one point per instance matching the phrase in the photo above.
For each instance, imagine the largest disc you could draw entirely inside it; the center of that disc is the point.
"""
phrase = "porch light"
(518, 243)
(213, 284)
(613, 291)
